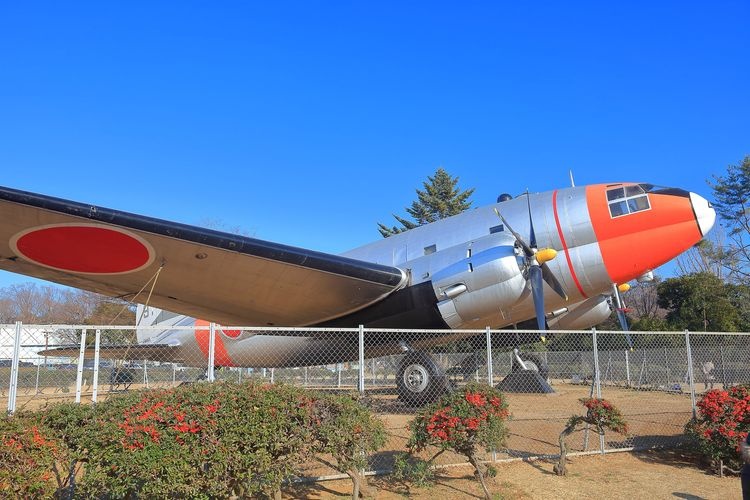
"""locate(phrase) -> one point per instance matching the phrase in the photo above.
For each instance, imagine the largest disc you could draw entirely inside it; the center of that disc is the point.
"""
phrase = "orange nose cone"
(635, 236)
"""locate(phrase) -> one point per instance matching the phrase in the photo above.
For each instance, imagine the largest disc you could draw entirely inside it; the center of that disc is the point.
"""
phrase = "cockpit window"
(627, 200)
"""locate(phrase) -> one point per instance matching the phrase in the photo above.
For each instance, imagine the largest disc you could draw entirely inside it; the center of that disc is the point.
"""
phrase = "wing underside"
(222, 277)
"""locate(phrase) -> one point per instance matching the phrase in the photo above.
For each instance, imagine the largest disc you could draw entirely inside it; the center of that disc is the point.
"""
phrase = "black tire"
(533, 362)
(420, 380)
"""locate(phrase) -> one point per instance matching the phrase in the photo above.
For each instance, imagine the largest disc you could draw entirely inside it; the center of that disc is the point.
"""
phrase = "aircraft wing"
(227, 278)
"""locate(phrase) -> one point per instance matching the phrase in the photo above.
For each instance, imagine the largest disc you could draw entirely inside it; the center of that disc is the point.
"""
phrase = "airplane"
(554, 258)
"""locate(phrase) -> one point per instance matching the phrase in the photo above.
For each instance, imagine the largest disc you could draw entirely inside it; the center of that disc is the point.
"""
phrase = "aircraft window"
(633, 190)
(618, 208)
(496, 229)
(615, 194)
(627, 201)
(430, 249)
(637, 204)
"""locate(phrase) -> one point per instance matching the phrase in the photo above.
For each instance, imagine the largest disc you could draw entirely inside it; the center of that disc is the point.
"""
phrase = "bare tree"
(710, 255)
(642, 299)
(47, 304)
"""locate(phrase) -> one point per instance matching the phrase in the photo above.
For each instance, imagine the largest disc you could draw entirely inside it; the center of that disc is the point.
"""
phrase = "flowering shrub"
(30, 457)
(601, 414)
(463, 421)
(210, 440)
(722, 423)
(197, 440)
(604, 415)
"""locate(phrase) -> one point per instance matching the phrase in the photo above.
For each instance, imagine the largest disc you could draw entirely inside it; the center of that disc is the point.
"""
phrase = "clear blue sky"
(306, 123)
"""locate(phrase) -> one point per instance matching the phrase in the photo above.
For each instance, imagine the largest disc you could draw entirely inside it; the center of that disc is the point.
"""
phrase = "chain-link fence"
(655, 383)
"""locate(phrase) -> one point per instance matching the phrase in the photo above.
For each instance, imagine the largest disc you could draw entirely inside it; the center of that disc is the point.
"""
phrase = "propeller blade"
(532, 234)
(549, 277)
(526, 248)
(537, 294)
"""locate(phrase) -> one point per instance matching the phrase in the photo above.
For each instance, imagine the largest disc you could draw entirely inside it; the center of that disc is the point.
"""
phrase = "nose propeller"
(538, 270)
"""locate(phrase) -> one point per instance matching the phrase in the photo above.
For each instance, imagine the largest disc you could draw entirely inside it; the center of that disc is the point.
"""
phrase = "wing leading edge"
(227, 278)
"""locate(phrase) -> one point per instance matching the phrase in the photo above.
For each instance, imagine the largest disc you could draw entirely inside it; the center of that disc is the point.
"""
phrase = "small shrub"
(30, 458)
(413, 469)
(347, 431)
(721, 424)
(601, 414)
(463, 421)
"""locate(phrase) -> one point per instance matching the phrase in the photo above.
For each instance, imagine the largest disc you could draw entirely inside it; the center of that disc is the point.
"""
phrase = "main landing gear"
(420, 380)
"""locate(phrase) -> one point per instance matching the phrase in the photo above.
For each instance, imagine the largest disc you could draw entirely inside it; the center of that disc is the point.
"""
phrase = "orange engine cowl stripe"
(565, 245)
(221, 356)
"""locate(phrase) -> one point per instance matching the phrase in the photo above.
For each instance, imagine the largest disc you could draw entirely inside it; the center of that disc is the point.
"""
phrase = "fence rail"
(656, 384)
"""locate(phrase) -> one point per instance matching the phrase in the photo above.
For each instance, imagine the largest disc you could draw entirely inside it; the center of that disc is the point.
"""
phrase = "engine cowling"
(479, 286)
(586, 314)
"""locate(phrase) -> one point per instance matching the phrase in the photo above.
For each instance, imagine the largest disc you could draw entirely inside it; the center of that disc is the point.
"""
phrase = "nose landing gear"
(529, 361)
(529, 375)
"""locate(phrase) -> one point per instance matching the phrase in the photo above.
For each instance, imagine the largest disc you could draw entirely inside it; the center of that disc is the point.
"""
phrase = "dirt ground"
(633, 475)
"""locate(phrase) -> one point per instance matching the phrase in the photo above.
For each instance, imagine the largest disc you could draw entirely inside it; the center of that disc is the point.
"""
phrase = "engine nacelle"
(586, 314)
(479, 286)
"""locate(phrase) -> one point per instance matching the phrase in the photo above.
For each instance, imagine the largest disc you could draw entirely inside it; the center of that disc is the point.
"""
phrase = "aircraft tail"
(153, 316)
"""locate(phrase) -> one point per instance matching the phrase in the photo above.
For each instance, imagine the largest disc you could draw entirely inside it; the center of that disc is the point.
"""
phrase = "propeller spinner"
(538, 270)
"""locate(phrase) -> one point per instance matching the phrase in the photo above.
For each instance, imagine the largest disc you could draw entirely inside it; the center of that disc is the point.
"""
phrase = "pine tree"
(732, 203)
(440, 198)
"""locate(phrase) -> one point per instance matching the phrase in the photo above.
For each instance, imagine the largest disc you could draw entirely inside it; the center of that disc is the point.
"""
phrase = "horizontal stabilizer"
(156, 352)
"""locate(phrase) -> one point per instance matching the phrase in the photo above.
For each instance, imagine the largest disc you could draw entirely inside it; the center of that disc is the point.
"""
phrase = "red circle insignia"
(84, 248)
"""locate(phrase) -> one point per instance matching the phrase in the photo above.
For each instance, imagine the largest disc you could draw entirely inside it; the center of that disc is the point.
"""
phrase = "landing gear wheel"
(420, 380)
(532, 362)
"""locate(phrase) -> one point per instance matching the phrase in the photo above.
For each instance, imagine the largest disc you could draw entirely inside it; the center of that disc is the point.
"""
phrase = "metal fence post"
(597, 374)
(361, 359)
(97, 342)
(79, 369)
(627, 366)
(691, 379)
(597, 380)
(211, 351)
(12, 390)
(490, 375)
